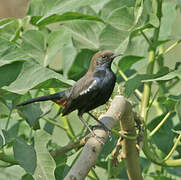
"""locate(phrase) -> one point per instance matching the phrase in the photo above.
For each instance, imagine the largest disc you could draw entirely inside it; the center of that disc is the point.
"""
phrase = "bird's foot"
(106, 129)
(98, 138)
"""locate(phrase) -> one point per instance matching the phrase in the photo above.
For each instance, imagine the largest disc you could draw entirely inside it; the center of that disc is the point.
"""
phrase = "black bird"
(91, 91)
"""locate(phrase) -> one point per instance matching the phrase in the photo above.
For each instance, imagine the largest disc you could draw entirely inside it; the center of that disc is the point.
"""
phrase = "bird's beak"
(116, 55)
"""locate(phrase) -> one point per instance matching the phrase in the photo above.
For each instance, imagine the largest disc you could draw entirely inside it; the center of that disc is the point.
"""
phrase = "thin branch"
(147, 39)
(173, 148)
(54, 123)
(126, 79)
(172, 46)
(70, 146)
(160, 124)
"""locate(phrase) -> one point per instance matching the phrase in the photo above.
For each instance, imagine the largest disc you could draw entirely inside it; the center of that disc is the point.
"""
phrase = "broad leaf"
(9, 53)
(56, 41)
(31, 75)
(56, 6)
(113, 39)
(45, 163)
(153, 20)
(169, 15)
(9, 73)
(81, 64)
(127, 61)
(178, 109)
(34, 44)
(68, 16)
(27, 177)
(122, 18)
(85, 33)
(33, 112)
(136, 81)
(10, 29)
(168, 102)
(137, 46)
(1, 141)
(11, 133)
(115, 4)
(159, 137)
(171, 75)
(25, 155)
(68, 55)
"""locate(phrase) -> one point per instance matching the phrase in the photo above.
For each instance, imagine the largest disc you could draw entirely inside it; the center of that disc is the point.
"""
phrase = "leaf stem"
(147, 39)
(54, 123)
(150, 65)
(172, 46)
(8, 120)
(147, 86)
(126, 79)
(160, 124)
(123, 135)
(173, 148)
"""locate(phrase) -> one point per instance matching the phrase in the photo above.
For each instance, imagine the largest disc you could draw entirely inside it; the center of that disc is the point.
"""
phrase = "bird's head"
(103, 59)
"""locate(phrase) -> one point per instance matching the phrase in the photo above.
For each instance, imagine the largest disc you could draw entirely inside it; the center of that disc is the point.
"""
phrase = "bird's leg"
(90, 130)
(102, 124)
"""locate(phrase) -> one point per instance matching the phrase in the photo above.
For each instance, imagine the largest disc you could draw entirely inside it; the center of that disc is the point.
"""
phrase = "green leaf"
(122, 18)
(9, 28)
(1, 141)
(127, 61)
(81, 64)
(136, 81)
(133, 47)
(154, 20)
(68, 55)
(56, 41)
(33, 112)
(168, 76)
(115, 4)
(45, 163)
(32, 75)
(27, 177)
(11, 173)
(9, 53)
(113, 39)
(25, 155)
(159, 137)
(169, 15)
(34, 45)
(61, 166)
(85, 33)
(11, 133)
(168, 102)
(68, 16)
(56, 6)
(9, 73)
(178, 109)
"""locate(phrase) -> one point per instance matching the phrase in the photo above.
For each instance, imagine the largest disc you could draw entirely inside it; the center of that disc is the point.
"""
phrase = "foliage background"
(39, 56)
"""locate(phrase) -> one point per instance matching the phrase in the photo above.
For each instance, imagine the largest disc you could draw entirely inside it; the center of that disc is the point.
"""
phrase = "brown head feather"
(99, 58)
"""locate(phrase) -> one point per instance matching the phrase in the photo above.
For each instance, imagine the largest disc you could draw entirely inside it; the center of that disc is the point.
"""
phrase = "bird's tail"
(52, 97)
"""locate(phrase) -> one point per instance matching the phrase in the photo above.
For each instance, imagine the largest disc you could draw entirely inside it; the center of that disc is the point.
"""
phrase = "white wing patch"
(89, 88)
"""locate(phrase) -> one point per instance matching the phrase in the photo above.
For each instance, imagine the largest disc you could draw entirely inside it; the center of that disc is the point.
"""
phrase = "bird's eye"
(103, 56)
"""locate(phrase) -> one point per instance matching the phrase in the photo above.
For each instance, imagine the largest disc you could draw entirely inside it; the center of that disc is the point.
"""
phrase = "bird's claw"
(106, 129)
(98, 138)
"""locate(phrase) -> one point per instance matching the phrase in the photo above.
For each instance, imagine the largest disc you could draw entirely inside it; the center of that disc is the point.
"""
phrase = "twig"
(160, 124)
(173, 148)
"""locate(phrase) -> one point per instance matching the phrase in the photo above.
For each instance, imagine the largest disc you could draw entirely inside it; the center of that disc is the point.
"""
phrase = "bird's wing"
(86, 86)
